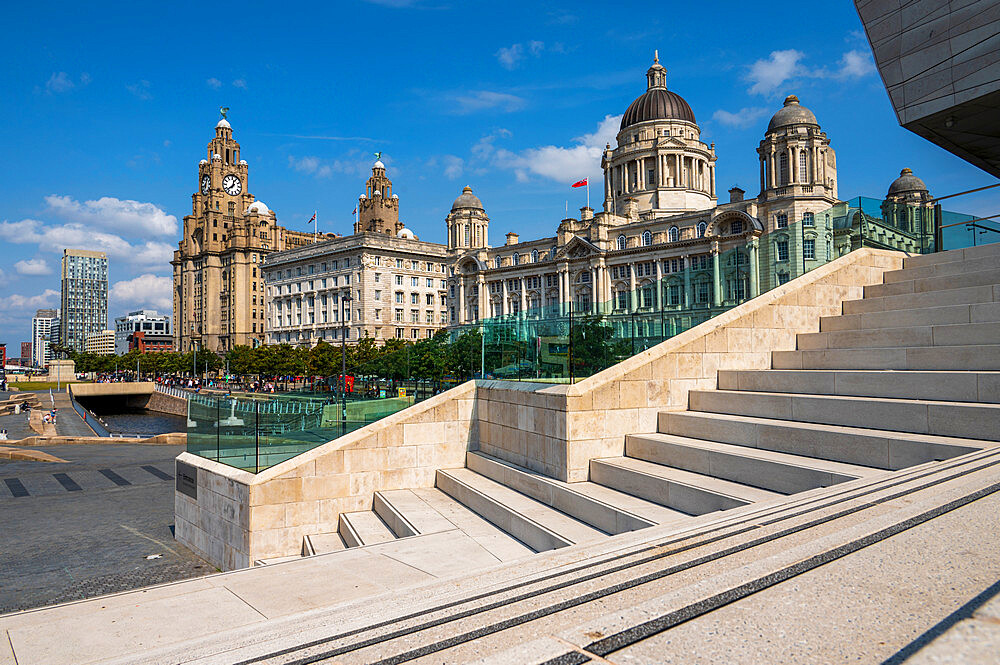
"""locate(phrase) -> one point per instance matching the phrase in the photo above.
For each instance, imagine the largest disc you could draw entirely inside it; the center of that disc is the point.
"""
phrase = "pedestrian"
(3, 435)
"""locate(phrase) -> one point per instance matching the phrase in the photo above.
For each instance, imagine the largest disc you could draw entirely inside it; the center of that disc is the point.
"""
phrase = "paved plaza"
(84, 528)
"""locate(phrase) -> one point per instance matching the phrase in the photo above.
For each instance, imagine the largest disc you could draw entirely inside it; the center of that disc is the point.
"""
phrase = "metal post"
(256, 435)
(569, 353)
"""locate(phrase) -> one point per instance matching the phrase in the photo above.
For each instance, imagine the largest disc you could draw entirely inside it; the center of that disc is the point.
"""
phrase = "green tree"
(241, 360)
(464, 355)
(323, 360)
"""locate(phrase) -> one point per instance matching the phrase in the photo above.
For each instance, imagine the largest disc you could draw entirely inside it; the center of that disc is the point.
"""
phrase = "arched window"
(674, 234)
(498, 261)
(622, 242)
(702, 228)
(516, 259)
(647, 238)
(783, 169)
(534, 256)
(552, 253)
(736, 227)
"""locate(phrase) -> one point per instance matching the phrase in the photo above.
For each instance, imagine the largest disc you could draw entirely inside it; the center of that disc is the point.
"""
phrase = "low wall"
(164, 403)
(171, 439)
(554, 429)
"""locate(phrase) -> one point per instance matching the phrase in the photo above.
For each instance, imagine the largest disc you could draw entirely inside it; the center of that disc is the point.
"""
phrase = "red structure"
(147, 343)
(26, 353)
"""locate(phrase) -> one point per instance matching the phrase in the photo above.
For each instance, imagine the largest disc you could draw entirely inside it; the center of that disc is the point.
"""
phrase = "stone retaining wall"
(554, 429)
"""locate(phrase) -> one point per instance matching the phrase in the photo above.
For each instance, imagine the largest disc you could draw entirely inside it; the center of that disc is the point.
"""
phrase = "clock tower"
(218, 281)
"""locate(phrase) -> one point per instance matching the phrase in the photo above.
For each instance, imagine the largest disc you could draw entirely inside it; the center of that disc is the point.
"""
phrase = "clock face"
(232, 185)
(206, 183)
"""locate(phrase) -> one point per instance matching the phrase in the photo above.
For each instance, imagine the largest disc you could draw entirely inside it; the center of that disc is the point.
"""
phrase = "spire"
(656, 75)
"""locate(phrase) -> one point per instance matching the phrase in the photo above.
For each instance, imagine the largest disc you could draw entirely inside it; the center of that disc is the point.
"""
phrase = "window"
(674, 294)
(674, 234)
(647, 238)
(808, 219)
(399, 280)
(782, 249)
(781, 221)
(647, 296)
(498, 262)
(399, 263)
(803, 168)
(702, 292)
(702, 228)
(782, 278)
(414, 281)
(809, 249)
(378, 277)
(736, 227)
(783, 169)
(429, 299)
(534, 256)
(622, 242)
(399, 315)
(414, 298)
(516, 259)
(622, 298)
(399, 296)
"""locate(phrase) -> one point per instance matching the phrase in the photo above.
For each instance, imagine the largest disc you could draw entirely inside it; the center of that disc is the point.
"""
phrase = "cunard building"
(219, 298)
(662, 243)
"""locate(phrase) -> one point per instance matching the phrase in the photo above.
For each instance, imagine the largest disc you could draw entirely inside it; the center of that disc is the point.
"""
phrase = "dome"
(364, 196)
(377, 192)
(204, 161)
(792, 113)
(406, 233)
(394, 196)
(657, 104)
(243, 162)
(257, 207)
(216, 156)
(467, 200)
(223, 123)
(378, 165)
(906, 182)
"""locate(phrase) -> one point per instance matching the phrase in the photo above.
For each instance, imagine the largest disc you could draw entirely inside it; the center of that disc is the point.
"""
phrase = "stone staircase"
(903, 377)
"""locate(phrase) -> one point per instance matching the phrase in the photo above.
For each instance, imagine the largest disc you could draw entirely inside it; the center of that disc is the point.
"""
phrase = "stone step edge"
(624, 628)
(762, 454)
(744, 501)
(558, 486)
(497, 505)
(380, 504)
(848, 398)
(544, 564)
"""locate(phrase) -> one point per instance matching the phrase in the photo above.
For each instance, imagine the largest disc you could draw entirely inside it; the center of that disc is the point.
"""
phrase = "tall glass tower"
(84, 296)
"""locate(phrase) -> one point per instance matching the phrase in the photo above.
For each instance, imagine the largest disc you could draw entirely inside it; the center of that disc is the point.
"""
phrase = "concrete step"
(959, 334)
(964, 296)
(980, 264)
(953, 255)
(531, 522)
(981, 357)
(498, 542)
(322, 543)
(873, 448)
(923, 316)
(559, 495)
(962, 419)
(688, 492)
(944, 386)
(363, 528)
(407, 514)
(989, 276)
(775, 471)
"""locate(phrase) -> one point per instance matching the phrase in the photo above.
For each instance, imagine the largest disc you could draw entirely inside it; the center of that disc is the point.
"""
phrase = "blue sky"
(107, 109)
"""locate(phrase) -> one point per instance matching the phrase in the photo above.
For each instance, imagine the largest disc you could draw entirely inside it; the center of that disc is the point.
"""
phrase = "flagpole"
(588, 192)
(315, 225)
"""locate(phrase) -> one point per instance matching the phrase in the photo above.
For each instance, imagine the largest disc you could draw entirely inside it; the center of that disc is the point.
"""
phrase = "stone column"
(754, 269)
(462, 305)
(634, 297)
(773, 175)
(524, 299)
(659, 285)
(640, 174)
(593, 290)
(503, 294)
(711, 173)
(562, 296)
(716, 277)
(481, 290)
(763, 164)
(685, 301)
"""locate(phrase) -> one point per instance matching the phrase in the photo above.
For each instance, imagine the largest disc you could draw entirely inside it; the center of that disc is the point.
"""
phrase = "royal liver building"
(662, 242)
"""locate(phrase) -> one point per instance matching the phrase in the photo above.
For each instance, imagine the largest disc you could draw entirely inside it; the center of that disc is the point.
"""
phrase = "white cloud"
(140, 89)
(107, 212)
(33, 267)
(561, 163)
(59, 82)
(55, 238)
(453, 166)
(769, 75)
(240, 83)
(145, 291)
(214, 83)
(483, 100)
(325, 168)
(18, 302)
(856, 64)
(511, 56)
(743, 118)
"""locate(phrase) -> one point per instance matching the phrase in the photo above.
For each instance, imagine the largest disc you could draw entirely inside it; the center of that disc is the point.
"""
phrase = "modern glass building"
(84, 301)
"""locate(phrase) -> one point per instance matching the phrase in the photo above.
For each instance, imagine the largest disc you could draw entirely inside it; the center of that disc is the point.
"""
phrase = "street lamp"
(345, 300)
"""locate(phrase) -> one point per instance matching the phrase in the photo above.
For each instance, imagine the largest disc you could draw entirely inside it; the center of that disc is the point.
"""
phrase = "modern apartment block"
(148, 321)
(84, 301)
(100, 343)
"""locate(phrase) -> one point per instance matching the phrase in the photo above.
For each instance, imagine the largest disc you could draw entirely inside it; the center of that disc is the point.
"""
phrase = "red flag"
(581, 183)
(354, 212)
